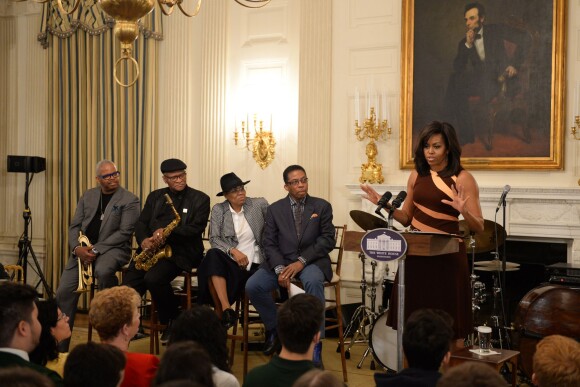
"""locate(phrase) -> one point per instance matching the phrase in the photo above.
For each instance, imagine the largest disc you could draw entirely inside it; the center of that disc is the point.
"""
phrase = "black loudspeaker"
(31, 164)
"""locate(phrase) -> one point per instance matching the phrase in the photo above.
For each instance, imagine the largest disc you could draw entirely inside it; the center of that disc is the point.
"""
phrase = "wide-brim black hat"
(172, 165)
(230, 181)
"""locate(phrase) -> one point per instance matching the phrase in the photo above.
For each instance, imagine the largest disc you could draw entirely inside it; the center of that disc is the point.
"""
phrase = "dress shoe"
(166, 335)
(272, 344)
(229, 318)
(317, 356)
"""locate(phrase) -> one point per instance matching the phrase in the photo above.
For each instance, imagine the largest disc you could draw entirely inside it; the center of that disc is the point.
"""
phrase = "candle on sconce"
(356, 105)
(368, 104)
(384, 111)
(576, 93)
(271, 123)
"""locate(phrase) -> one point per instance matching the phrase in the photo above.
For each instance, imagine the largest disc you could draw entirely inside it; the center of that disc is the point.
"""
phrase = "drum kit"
(369, 326)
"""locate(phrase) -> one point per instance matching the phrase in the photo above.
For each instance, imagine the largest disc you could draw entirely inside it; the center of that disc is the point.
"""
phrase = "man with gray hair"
(106, 215)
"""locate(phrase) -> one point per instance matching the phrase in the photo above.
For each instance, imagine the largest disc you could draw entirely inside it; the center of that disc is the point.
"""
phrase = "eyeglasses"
(293, 183)
(181, 176)
(110, 176)
(61, 317)
(237, 189)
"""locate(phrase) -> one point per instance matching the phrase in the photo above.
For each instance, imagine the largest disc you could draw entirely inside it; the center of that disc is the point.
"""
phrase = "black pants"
(158, 281)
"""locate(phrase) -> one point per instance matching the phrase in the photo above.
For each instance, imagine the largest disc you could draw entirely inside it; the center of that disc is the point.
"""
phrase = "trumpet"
(85, 272)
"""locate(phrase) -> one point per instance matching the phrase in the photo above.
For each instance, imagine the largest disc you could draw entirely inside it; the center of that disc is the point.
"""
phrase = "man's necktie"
(297, 218)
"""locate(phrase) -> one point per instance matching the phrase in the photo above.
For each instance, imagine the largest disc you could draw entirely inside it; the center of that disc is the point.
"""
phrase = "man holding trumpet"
(106, 215)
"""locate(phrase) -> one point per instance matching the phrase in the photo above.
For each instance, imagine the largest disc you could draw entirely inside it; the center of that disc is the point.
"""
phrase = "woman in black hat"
(236, 239)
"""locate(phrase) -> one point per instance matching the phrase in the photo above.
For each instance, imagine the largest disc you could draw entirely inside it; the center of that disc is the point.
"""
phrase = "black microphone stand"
(25, 245)
(502, 283)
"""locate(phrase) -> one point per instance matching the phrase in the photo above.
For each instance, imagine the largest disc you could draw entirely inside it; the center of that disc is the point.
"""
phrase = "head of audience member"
(299, 321)
(318, 378)
(55, 329)
(174, 174)
(233, 188)
(201, 325)
(114, 313)
(471, 374)
(449, 147)
(427, 338)
(23, 377)
(296, 182)
(18, 317)
(94, 365)
(557, 362)
(107, 176)
(186, 360)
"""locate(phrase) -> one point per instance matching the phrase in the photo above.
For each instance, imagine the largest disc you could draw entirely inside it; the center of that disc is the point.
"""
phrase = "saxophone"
(85, 272)
(149, 257)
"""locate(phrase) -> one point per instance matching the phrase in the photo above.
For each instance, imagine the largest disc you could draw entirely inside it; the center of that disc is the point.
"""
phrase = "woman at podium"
(438, 191)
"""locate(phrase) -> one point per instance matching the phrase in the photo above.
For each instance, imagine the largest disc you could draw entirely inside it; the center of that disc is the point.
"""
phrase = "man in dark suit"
(106, 215)
(298, 237)
(20, 329)
(483, 69)
(185, 239)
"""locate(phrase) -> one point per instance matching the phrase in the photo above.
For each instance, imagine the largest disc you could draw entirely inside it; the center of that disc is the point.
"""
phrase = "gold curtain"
(91, 117)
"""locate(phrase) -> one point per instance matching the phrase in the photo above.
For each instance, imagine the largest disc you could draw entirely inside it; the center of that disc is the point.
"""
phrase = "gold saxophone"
(149, 257)
(85, 271)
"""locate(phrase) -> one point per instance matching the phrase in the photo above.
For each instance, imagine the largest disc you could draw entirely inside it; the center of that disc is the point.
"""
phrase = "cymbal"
(496, 267)
(367, 221)
(497, 264)
(484, 241)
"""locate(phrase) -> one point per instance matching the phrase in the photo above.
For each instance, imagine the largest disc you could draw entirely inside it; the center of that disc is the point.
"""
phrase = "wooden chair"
(16, 273)
(244, 308)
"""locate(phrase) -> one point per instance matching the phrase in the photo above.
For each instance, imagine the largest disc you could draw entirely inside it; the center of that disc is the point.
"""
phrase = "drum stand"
(363, 315)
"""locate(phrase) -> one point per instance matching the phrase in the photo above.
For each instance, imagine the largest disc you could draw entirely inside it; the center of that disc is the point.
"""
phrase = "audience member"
(236, 247)
(298, 323)
(23, 377)
(20, 328)
(200, 324)
(55, 329)
(114, 313)
(186, 360)
(318, 378)
(557, 362)
(296, 247)
(471, 374)
(426, 341)
(94, 365)
(106, 215)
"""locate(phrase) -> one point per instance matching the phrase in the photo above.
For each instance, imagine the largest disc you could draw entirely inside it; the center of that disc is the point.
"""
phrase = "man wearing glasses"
(106, 215)
(298, 237)
(185, 240)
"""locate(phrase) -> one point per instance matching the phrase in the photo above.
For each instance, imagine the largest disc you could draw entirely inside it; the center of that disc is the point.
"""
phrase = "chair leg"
(245, 339)
(340, 332)
(91, 295)
(234, 335)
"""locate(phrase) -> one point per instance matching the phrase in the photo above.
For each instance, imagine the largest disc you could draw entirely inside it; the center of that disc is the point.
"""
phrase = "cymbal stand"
(477, 289)
(363, 316)
(502, 284)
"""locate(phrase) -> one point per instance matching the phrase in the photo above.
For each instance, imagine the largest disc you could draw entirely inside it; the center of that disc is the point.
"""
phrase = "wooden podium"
(418, 243)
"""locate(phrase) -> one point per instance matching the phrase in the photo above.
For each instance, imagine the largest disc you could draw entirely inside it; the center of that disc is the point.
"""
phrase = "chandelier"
(128, 12)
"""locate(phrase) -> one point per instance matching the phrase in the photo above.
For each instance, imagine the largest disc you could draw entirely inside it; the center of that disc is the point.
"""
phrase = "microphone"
(399, 200)
(506, 189)
(382, 203)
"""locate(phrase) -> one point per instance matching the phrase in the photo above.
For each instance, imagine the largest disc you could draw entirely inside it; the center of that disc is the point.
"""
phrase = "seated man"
(20, 329)
(94, 365)
(557, 362)
(158, 227)
(299, 321)
(426, 341)
(106, 215)
(298, 237)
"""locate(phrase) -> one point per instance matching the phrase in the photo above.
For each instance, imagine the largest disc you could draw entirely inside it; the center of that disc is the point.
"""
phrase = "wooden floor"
(362, 377)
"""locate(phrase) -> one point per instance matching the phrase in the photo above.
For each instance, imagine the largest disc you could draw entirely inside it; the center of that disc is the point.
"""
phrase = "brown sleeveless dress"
(442, 281)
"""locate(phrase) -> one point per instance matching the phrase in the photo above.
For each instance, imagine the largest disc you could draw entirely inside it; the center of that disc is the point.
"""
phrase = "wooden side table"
(496, 361)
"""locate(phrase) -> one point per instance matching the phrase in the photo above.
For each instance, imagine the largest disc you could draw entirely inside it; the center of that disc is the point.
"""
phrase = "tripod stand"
(25, 245)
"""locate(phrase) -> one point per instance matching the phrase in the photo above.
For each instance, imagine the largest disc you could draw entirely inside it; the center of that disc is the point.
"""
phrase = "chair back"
(15, 272)
(336, 254)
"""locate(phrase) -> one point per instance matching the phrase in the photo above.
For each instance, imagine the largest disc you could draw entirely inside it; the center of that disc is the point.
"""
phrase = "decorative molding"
(9, 8)
(370, 12)
(268, 25)
(376, 59)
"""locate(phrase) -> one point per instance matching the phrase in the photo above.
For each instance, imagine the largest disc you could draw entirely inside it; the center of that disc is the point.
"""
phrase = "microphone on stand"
(399, 200)
(506, 189)
(382, 203)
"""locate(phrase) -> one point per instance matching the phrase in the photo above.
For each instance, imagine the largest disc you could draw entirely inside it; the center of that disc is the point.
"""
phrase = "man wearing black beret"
(185, 240)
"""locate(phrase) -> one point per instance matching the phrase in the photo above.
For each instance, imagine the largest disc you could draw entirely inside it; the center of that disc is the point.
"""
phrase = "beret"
(171, 165)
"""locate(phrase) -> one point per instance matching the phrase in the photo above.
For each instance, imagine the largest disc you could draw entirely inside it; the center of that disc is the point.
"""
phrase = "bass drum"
(545, 310)
(383, 342)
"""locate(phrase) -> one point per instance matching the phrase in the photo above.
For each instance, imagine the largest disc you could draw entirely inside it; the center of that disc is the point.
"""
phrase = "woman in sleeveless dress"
(438, 191)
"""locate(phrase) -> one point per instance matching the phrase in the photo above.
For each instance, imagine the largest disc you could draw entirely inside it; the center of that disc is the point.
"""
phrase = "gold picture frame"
(519, 132)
